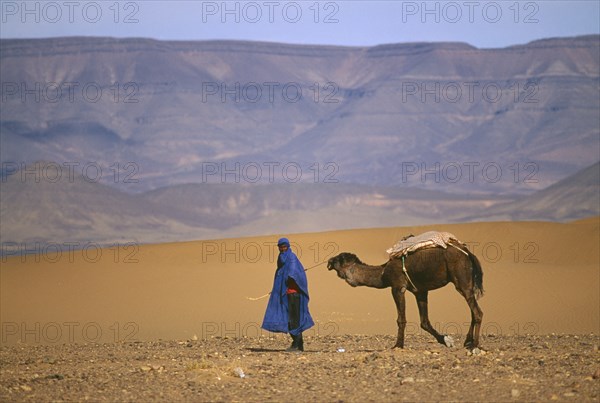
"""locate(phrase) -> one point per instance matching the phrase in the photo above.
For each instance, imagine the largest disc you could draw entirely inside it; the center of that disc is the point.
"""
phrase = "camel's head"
(341, 263)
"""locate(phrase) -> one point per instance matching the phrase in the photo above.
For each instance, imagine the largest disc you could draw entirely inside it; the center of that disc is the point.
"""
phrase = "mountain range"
(162, 140)
(174, 109)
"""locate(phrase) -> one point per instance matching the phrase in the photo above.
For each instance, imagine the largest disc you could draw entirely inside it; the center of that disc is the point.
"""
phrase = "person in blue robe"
(287, 309)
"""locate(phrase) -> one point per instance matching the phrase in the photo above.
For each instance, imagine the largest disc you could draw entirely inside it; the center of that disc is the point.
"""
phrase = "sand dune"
(539, 278)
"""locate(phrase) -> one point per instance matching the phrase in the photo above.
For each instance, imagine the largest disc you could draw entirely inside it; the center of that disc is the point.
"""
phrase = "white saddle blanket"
(424, 240)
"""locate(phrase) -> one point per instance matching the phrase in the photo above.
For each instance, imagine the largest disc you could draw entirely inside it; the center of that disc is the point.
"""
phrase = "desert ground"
(173, 322)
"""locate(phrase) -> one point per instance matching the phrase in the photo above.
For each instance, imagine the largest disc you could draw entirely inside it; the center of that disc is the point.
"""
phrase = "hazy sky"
(480, 23)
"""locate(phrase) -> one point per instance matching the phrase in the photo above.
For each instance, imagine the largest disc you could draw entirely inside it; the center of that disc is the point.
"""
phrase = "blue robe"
(276, 316)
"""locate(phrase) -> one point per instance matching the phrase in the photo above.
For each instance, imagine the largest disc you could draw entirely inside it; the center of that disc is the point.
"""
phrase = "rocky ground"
(333, 368)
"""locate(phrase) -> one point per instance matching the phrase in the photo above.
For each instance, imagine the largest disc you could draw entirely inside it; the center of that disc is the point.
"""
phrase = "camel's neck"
(364, 275)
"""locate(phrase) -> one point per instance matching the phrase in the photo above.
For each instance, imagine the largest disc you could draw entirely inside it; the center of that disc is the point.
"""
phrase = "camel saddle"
(428, 239)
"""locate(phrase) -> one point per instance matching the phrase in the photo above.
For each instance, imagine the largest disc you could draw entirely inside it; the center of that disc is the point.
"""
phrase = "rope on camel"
(407, 276)
(269, 293)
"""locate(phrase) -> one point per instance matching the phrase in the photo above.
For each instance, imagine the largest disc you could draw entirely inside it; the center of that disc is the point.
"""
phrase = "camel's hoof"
(448, 341)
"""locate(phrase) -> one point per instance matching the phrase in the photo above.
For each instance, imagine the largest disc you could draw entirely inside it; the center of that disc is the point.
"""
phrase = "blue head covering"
(283, 241)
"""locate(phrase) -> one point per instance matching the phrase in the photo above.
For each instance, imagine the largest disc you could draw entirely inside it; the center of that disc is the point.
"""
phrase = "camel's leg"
(398, 294)
(425, 324)
(472, 339)
(463, 282)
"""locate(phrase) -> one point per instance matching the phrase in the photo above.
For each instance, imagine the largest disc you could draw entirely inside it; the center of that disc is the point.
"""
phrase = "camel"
(427, 269)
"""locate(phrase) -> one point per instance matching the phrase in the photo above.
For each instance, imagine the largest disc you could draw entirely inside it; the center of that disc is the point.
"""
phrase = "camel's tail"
(477, 275)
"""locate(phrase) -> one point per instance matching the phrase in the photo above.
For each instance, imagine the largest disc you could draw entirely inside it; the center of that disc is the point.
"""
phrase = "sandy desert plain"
(173, 322)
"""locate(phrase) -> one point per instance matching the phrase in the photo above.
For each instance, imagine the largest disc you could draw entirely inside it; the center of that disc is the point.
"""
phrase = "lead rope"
(407, 276)
(267, 294)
